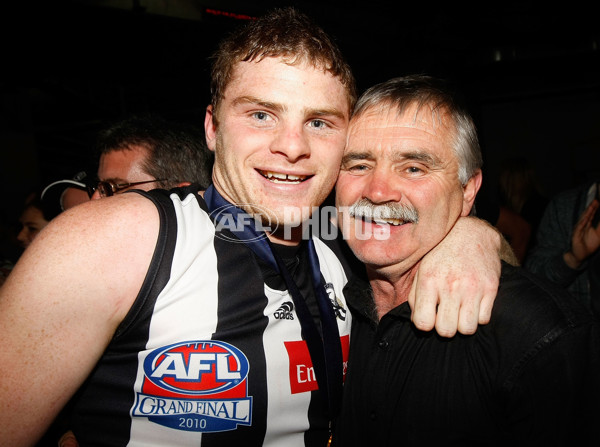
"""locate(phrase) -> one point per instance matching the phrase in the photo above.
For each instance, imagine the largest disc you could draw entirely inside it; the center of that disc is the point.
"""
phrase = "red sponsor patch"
(301, 371)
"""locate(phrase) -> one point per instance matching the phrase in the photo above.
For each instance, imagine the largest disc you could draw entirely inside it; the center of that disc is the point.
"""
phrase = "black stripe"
(242, 323)
(115, 377)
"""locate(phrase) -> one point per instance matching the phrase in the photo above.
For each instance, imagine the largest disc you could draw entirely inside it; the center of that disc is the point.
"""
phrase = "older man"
(411, 169)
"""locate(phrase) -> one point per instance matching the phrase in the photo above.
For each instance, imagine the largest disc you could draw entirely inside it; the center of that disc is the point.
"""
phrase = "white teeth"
(394, 222)
(277, 177)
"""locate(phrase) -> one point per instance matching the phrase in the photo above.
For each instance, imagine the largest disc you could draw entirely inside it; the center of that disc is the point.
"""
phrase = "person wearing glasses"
(147, 152)
(139, 152)
(174, 317)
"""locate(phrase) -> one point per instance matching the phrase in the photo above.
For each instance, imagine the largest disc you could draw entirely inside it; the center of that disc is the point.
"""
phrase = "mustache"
(365, 209)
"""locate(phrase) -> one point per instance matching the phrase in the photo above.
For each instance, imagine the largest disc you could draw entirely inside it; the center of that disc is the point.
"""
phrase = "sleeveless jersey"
(208, 354)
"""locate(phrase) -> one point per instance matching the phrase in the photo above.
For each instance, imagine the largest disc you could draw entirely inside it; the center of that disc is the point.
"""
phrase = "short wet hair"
(285, 33)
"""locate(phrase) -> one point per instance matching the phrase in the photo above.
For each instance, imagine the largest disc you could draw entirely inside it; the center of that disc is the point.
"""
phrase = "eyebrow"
(418, 155)
(397, 156)
(258, 102)
(281, 108)
(355, 155)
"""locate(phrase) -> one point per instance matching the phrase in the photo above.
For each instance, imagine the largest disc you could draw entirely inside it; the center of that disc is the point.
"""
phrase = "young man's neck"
(286, 236)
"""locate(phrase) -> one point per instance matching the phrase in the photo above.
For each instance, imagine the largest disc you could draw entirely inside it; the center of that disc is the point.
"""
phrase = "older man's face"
(403, 166)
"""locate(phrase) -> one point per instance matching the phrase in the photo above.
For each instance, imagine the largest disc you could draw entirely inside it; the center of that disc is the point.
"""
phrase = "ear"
(210, 128)
(470, 192)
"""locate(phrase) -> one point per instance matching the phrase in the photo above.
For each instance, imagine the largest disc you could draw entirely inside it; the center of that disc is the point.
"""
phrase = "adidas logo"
(285, 312)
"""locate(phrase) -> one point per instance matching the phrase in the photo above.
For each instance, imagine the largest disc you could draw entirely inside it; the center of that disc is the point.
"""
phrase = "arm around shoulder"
(62, 303)
(459, 278)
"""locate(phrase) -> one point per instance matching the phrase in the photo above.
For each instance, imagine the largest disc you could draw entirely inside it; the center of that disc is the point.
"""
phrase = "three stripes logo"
(285, 312)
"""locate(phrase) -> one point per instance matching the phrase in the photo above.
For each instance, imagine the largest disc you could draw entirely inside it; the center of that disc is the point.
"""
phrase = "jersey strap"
(325, 351)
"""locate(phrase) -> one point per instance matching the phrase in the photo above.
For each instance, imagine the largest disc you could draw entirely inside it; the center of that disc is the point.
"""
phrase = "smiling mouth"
(393, 222)
(289, 179)
(381, 220)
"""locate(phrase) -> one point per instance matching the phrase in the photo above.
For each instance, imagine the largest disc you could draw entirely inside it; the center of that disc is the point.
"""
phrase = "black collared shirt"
(529, 377)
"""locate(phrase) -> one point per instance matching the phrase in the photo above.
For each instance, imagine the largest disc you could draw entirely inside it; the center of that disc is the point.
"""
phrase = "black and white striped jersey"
(209, 354)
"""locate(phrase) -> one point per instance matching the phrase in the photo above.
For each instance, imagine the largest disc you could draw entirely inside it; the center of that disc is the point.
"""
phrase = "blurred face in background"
(33, 222)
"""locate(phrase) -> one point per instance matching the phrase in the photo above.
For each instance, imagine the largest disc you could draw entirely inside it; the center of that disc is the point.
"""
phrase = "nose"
(382, 186)
(292, 143)
(23, 236)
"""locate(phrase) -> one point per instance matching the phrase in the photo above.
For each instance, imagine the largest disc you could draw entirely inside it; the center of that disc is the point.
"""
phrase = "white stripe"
(287, 413)
(180, 314)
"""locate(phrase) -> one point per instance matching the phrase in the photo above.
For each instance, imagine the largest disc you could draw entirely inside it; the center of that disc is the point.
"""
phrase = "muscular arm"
(62, 303)
(456, 284)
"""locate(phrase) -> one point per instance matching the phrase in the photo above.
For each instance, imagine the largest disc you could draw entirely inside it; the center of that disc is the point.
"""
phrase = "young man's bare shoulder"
(112, 233)
(90, 250)
(108, 217)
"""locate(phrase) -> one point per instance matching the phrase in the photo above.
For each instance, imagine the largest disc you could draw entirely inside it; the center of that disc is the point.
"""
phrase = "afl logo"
(196, 367)
(234, 218)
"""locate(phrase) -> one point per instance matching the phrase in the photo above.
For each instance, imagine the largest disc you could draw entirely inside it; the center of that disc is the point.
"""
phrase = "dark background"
(529, 70)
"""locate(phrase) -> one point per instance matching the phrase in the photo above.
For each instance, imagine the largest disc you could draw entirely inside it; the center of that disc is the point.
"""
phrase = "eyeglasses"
(108, 188)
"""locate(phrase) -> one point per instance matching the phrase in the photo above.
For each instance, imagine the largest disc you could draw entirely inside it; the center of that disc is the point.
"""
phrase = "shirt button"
(383, 344)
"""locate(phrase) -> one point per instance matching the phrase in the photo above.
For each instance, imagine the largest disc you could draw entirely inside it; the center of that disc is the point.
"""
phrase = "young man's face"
(280, 137)
(403, 160)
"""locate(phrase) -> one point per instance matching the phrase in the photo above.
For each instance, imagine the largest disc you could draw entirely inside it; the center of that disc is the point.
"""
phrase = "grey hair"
(420, 90)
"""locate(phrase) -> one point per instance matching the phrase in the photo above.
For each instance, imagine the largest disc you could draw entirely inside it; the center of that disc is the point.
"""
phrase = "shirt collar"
(359, 296)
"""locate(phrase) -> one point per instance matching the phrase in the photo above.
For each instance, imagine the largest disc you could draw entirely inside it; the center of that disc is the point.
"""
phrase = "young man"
(410, 170)
(176, 319)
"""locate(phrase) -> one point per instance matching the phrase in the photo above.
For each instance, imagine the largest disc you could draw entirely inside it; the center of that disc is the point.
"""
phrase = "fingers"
(68, 440)
(447, 321)
(461, 305)
(594, 209)
(468, 317)
(588, 215)
(486, 305)
(429, 311)
(424, 306)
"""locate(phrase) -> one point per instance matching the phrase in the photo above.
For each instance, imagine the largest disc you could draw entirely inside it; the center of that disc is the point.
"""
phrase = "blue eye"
(318, 124)
(260, 115)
